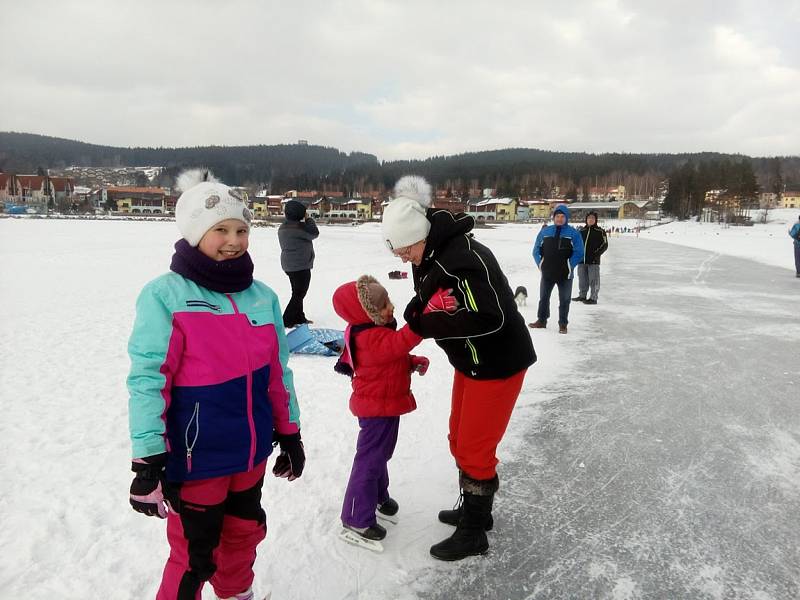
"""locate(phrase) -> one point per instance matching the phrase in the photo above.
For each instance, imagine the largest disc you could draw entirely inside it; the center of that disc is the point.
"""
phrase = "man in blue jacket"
(557, 251)
(795, 233)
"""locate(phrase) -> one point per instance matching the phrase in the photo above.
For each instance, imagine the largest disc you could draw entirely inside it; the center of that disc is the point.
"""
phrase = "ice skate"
(365, 537)
(387, 511)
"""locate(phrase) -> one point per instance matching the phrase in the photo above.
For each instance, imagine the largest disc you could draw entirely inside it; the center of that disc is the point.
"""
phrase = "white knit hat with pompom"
(205, 202)
(404, 219)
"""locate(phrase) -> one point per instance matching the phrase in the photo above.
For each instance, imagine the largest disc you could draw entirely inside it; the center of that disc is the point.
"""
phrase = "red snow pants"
(479, 415)
(213, 535)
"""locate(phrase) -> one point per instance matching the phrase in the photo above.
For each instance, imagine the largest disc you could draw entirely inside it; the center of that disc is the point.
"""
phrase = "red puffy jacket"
(382, 373)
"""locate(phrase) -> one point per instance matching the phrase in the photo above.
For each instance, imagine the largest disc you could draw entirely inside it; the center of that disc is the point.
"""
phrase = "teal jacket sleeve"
(155, 348)
(281, 385)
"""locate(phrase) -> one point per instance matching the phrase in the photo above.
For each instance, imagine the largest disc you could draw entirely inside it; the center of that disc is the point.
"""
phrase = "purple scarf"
(225, 276)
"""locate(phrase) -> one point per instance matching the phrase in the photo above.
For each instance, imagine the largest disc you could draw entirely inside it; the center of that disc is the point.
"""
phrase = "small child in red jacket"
(377, 358)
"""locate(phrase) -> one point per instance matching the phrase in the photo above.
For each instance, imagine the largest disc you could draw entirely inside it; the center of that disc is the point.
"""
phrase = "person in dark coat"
(794, 232)
(296, 236)
(484, 338)
(595, 242)
(557, 251)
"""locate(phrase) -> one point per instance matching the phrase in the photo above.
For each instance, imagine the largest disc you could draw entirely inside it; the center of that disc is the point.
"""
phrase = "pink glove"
(420, 364)
(441, 301)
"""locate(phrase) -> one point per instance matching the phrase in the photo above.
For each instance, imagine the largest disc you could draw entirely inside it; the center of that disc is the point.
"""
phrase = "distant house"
(639, 209)
(138, 200)
(32, 188)
(7, 187)
(629, 209)
(265, 205)
(274, 205)
(61, 188)
(309, 195)
(790, 200)
(494, 209)
(170, 200)
(259, 207)
(453, 204)
(605, 194)
(343, 208)
(534, 209)
(713, 196)
(362, 206)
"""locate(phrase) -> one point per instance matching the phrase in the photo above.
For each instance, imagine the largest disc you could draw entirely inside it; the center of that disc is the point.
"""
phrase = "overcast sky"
(407, 79)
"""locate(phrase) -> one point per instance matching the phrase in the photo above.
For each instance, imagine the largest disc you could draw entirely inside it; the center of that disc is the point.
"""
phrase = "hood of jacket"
(444, 227)
(564, 210)
(355, 303)
(347, 305)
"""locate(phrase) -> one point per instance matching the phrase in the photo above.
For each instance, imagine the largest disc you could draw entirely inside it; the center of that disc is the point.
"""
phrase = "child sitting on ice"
(377, 358)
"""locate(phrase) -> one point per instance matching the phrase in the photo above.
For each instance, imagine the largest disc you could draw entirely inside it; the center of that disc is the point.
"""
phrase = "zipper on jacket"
(586, 243)
(250, 420)
(195, 418)
(474, 352)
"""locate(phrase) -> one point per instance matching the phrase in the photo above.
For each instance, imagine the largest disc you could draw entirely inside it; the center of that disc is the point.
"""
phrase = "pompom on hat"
(404, 218)
(205, 202)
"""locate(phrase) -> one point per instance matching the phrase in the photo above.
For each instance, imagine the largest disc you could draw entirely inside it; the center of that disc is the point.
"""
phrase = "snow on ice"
(67, 291)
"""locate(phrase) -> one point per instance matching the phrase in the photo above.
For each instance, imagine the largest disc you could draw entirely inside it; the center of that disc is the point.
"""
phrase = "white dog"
(521, 295)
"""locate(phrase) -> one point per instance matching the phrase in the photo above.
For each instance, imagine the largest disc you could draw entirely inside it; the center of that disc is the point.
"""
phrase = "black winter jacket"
(595, 242)
(486, 338)
(297, 249)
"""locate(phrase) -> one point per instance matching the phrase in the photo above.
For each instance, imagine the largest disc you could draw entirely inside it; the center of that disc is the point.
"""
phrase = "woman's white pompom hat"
(404, 219)
(204, 203)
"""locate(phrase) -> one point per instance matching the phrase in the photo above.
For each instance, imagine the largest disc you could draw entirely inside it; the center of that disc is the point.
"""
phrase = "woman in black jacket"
(485, 340)
(296, 236)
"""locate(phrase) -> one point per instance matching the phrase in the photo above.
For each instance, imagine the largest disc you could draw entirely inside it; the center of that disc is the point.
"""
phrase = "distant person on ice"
(558, 249)
(210, 393)
(795, 233)
(595, 242)
(296, 236)
(485, 340)
(377, 358)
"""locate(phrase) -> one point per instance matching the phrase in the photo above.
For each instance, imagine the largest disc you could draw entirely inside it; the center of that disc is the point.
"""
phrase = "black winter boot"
(469, 538)
(478, 487)
(451, 517)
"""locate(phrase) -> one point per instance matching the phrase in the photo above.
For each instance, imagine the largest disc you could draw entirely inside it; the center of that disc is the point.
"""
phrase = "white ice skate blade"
(351, 537)
(393, 519)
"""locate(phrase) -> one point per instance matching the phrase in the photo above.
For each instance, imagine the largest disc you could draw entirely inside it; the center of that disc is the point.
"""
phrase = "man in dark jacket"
(595, 242)
(794, 232)
(557, 251)
(485, 340)
(296, 235)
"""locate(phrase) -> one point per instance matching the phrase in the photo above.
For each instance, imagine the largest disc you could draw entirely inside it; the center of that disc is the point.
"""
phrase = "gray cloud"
(408, 79)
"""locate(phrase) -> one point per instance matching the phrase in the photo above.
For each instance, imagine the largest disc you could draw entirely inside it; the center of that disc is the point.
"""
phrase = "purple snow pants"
(369, 478)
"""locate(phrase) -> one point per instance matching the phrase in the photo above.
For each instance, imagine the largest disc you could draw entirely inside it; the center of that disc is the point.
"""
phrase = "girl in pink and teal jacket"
(210, 393)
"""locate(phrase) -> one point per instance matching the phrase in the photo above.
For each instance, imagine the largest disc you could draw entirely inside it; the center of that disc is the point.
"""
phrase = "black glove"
(413, 313)
(292, 459)
(147, 489)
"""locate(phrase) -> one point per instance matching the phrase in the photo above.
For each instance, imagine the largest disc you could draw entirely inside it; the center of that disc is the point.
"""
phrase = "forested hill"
(22, 152)
(286, 166)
